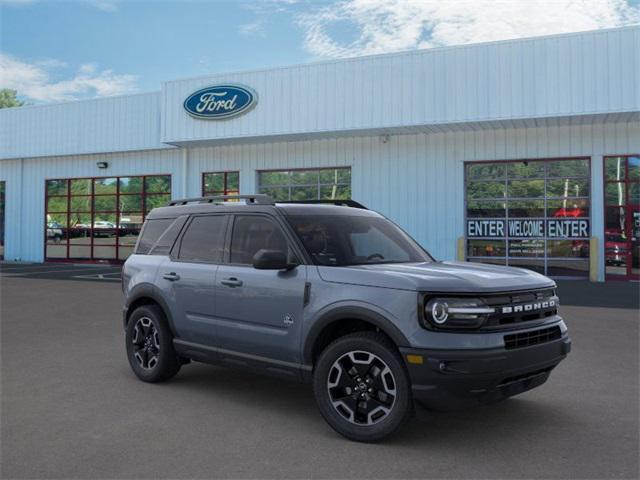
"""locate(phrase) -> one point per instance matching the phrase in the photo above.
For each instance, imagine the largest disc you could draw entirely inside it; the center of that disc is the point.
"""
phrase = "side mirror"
(271, 260)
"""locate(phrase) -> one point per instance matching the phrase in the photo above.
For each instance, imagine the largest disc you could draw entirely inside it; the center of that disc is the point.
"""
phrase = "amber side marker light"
(415, 359)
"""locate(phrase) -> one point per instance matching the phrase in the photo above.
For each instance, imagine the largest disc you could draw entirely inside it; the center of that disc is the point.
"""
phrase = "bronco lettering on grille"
(529, 307)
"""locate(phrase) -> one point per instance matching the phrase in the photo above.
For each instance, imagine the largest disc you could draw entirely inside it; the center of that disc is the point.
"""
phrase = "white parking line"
(38, 272)
(98, 276)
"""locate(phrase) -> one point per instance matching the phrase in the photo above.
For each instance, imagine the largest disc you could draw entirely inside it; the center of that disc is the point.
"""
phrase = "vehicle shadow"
(292, 401)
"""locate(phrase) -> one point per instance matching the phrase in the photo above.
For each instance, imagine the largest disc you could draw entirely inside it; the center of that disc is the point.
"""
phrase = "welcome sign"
(220, 102)
(528, 228)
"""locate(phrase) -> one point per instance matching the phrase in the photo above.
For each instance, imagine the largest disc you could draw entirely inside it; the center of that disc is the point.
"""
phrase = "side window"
(167, 239)
(204, 239)
(252, 233)
(152, 230)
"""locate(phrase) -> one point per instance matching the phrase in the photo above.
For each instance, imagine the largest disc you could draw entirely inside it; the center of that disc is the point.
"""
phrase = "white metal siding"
(25, 193)
(558, 76)
(416, 180)
(113, 124)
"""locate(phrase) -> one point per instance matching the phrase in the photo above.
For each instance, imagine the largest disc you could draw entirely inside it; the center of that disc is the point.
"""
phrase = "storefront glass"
(316, 184)
(622, 217)
(220, 183)
(99, 218)
(532, 214)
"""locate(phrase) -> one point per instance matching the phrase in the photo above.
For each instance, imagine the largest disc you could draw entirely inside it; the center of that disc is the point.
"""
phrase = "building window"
(2, 187)
(99, 218)
(316, 184)
(220, 183)
(622, 217)
(532, 214)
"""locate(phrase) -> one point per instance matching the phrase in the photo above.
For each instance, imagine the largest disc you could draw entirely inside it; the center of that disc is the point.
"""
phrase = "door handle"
(231, 282)
(171, 276)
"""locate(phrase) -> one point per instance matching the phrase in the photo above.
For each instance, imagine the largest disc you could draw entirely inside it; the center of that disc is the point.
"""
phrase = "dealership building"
(522, 152)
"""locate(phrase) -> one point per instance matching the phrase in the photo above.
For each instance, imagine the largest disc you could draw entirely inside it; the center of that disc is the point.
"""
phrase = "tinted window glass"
(204, 239)
(167, 239)
(340, 240)
(253, 233)
(151, 232)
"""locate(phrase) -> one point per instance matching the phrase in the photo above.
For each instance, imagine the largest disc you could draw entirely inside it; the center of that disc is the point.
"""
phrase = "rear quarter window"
(153, 231)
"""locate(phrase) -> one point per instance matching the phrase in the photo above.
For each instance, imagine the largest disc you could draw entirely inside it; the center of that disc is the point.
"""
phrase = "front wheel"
(150, 345)
(362, 387)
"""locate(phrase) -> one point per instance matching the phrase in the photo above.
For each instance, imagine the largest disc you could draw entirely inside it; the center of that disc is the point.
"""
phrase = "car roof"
(171, 211)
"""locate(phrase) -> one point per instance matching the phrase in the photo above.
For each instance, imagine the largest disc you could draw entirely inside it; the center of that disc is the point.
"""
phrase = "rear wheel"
(362, 387)
(150, 345)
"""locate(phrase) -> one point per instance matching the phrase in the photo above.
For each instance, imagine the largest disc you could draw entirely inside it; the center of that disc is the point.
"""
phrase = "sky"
(54, 50)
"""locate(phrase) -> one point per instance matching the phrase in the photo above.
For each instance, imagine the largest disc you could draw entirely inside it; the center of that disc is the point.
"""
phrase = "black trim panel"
(231, 358)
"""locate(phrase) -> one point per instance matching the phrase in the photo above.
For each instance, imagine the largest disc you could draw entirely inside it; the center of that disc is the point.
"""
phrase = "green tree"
(8, 98)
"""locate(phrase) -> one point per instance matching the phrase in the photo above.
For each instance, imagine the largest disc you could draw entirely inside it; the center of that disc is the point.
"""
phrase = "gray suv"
(338, 296)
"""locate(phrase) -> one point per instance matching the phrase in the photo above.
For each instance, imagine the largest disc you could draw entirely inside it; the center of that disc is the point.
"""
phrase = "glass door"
(622, 217)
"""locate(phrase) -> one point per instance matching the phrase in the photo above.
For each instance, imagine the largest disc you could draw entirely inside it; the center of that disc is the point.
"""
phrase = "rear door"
(187, 277)
(259, 312)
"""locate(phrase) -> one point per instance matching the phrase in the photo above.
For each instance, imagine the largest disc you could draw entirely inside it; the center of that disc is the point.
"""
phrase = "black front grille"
(501, 319)
(534, 337)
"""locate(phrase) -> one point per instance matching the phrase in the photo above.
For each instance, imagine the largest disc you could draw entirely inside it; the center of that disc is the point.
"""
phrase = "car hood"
(464, 277)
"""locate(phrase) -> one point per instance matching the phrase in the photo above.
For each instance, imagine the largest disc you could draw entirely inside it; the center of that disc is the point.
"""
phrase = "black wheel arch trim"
(351, 312)
(147, 290)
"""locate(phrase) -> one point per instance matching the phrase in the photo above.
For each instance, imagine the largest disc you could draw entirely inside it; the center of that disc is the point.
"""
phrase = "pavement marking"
(99, 277)
(39, 272)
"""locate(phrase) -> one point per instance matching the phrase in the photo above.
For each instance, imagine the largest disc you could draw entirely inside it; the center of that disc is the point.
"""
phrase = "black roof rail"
(258, 199)
(340, 203)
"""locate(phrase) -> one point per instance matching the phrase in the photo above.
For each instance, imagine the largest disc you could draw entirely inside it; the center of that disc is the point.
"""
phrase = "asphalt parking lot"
(71, 408)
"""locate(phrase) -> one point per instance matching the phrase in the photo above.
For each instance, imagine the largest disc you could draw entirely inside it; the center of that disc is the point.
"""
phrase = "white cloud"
(104, 5)
(34, 80)
(252, 28)
(390, 25)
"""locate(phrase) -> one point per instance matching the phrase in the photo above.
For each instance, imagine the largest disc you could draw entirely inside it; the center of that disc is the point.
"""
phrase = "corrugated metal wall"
(112, 124)
(416, 180)
(556, 76)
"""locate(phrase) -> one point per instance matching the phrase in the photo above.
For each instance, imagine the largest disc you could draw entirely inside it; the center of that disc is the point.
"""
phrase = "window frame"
(505, 178)
(289, 185)
(627, 181)
(226, 190)
(92, 213)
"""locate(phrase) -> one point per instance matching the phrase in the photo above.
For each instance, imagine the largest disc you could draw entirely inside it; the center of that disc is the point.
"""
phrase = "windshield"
(342, 240)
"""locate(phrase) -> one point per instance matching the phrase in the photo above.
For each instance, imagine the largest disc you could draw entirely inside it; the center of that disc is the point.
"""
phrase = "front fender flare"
(357, 312)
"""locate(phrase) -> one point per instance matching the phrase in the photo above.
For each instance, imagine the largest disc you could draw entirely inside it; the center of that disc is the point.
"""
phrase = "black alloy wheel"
(149, 343)
(362, 387)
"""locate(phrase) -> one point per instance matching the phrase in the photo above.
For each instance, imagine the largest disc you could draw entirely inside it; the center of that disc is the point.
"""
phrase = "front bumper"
(454, 379)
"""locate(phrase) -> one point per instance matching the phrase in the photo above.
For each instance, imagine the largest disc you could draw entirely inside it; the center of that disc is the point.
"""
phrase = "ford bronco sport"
(338, 296)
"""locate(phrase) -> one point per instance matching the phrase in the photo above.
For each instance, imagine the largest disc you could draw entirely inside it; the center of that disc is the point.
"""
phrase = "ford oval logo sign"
(220, 102)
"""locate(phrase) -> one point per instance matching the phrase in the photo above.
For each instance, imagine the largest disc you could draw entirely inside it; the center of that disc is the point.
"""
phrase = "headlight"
(456, 312)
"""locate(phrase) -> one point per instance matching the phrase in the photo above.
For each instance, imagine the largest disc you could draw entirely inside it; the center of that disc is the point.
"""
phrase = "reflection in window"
(486, 248)
(220, 183)
(100, 219)
(520, 195)
(316, 184)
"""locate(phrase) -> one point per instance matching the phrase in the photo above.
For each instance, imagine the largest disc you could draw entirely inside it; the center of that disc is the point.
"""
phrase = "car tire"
(149, 343)
(362, 387)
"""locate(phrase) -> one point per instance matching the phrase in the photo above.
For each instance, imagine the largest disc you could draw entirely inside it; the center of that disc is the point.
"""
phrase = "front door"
(188, 278)
(259, 312)
(622, 217)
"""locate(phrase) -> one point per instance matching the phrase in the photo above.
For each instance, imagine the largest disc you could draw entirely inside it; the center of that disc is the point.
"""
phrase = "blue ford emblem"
(220, 101)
